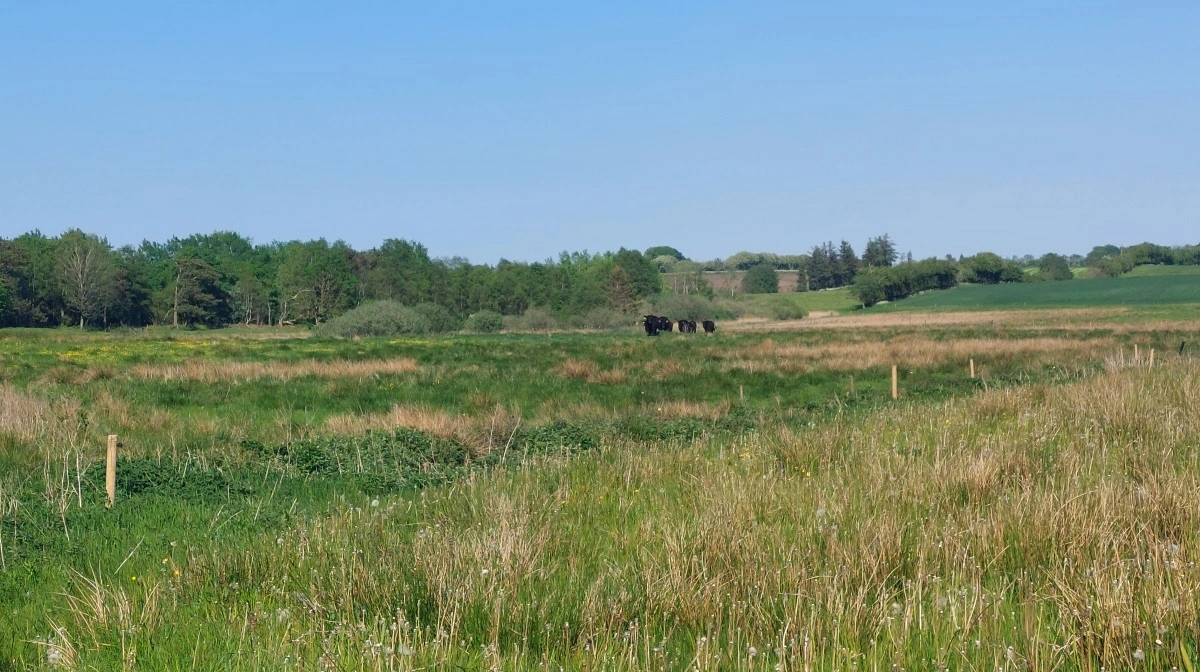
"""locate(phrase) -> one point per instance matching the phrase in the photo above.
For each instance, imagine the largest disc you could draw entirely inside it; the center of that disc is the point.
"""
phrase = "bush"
(761, 279)
(786, 310)
(378, 318)
(1054, 267)
(534, 319)
(485, 322)
(987, 268)
(892, 283)
(601, 318)
(684, 307)
(440, 319)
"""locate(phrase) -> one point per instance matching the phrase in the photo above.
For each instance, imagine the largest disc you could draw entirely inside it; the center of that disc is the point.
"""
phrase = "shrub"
(377, 318)
(761, 279)
(601, 318)
(684, 307)
(786, 310)
(892, 283)
(440, 319)
(485, 322)
(534, 319)
(1053, 267)
(987, 268)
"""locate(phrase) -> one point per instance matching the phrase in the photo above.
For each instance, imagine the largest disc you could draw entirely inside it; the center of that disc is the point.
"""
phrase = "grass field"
(784, 304)
(600, 501)
(1154, 270)
(1125, 291)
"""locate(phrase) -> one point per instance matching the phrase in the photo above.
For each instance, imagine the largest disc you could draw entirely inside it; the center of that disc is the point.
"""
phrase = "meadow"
(751, 500)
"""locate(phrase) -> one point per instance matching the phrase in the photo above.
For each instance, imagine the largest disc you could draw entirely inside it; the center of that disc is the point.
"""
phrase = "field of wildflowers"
(602, 502)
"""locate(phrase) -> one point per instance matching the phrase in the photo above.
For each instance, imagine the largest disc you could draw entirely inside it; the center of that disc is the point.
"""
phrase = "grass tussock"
(690, 409)
(422, 418)
(36, 420)
(234, 372)
(666, 368)
(589, 371)
(482, 433)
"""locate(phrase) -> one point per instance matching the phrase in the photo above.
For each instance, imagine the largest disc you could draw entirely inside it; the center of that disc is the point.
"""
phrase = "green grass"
(1154, 270)
(249, 536)
(1102, 292)
(769, 305)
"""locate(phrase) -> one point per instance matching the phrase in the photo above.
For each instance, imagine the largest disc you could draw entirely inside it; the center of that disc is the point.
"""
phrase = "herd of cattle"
(654, 324)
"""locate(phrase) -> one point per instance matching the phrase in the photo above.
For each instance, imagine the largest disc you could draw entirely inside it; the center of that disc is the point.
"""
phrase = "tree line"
(223, 278)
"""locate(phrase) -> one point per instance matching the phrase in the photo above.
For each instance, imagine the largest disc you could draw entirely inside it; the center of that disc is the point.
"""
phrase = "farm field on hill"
(1152, 270)
(1124, 291)
(602, 501)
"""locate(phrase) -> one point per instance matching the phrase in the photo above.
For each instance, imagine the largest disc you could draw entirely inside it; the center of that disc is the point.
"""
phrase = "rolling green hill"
(1125, 291)
(1155, 270)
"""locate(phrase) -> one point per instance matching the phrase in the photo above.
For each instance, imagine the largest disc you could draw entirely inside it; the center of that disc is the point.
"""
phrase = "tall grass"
(1041, 527)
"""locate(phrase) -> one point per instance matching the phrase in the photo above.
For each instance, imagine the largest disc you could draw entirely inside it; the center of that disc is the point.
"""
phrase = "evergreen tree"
(848, 264)
(821, 272)
(880, 252)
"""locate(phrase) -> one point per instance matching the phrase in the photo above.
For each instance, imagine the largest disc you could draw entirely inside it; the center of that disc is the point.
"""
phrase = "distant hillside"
(1123, 291)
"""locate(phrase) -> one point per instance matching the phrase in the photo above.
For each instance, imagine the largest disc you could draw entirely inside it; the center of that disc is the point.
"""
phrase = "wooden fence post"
(972, 368)
(110, 472)
(852, 386)
(741, 393)
(1151, 358)
(1136, 357)
(895, 387)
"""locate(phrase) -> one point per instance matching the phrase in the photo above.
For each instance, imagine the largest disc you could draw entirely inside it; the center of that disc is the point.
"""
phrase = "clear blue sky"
(518, 130)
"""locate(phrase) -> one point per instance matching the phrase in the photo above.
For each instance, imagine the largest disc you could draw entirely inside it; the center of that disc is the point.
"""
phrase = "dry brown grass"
(38, 421)
(663, 369)
(689, 409)
(590, 371)
(482, 433)
(912, 351)
(234, 372)
(424, 418)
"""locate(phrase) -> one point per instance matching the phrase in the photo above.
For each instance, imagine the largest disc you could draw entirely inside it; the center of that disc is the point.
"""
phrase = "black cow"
(709, 326)
(665, 324)
(687, 326)
(651, 324)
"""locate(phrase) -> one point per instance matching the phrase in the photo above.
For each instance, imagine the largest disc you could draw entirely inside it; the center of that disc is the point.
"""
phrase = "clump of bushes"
(389, 318)
(685, 307)
(485, 322)
(534, 319)
(440, 319)
(786, 310)
(605, 319)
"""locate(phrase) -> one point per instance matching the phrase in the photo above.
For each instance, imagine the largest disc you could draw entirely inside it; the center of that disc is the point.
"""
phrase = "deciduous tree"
(85, 265)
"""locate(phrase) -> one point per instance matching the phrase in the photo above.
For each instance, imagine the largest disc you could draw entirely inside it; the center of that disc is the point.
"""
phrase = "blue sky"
(519, 130)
